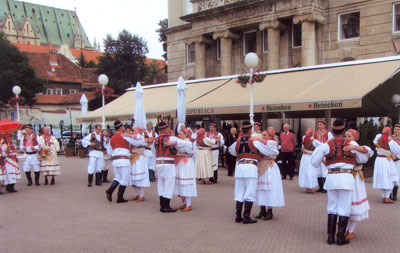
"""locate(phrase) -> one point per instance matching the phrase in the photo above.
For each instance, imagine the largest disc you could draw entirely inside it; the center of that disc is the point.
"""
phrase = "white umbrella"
(140, 114)
(181, 102)
(84, 109)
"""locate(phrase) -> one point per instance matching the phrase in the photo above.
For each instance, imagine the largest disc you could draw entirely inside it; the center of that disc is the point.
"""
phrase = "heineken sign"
(306, 106)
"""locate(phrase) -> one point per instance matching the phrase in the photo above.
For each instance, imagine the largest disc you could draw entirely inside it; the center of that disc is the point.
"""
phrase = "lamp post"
(103, 80)
(396, 102)
(17, 90)
(251, 61)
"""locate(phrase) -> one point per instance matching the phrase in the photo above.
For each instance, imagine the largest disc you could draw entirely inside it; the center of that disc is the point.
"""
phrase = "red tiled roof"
(63, 99)
(89, 55)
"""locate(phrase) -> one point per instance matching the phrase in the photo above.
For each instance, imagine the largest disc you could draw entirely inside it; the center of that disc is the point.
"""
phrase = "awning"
(331, 86)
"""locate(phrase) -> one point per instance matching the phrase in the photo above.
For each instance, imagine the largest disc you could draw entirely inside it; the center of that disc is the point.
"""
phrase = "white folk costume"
(269, 183)
(30, 144)
(339, 182)
(248, 154)
(11, 168)
(194, 136)
(204, 159)
(96, 156)
(107, 166)
(118, 148)
(394, 145)
(49, 165)
(219, 141)
(140, 170)
(321, 137)
(165, 165)
(385, 172)
(307, 171)
(150, 152)
(185, 182)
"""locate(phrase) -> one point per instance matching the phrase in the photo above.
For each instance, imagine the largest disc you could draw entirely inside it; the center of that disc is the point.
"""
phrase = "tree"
(83, 63)
(124, 61)
(15, 70)
(156, 73)
(162, 36)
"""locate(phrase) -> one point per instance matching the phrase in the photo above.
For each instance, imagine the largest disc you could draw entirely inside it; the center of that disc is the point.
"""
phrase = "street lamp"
(251, 61)
(17, 90)
(103, 80)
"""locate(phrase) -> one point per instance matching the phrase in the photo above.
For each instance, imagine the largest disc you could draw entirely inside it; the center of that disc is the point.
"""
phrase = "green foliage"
(124, 61)
(15, 70)
(162, 35)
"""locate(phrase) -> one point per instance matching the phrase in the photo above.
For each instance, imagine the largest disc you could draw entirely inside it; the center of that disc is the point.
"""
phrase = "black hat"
(162, 125)
(338, 125)
(246, 125)
(117, 124)
(29, 126)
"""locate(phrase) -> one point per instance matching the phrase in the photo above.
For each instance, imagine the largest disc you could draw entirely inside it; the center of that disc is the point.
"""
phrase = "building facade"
(208, 38)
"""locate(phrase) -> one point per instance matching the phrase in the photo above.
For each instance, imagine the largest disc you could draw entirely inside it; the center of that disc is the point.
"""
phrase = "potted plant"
(82, 151)
(69, 149)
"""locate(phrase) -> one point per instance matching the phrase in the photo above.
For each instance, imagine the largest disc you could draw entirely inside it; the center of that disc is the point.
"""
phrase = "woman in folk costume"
(49, 164)
(185, 182)
(204, 160)
(12, 170)
(359, 204)
(385, 173)
(269, 184)
(395, 148)
(307, 171)
(140, 171)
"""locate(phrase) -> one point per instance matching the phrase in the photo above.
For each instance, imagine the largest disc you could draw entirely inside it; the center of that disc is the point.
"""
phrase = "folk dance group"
(41, 157)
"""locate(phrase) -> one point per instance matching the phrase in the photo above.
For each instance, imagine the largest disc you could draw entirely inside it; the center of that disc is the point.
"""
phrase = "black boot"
(341, 238)
(46, 182)
(53, 181)
(98, 178)
(90, 180)
(121, 191)
(29, 178)
(215, 176)
(269, 215)
(263, 212)
(323, 182)
(110, 190)
(320, 185)
(37, 177)
(166, 208)
(152, 176)
(239, 206)
(105, 174)
(246, 213)
(332, 218)
(393, 195)
(10, 188)
(161, 203)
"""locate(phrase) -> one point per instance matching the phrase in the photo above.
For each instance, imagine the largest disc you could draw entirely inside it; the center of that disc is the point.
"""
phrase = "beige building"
(208, 38)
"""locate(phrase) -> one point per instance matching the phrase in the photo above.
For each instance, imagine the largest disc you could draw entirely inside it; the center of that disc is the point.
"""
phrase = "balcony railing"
(203, 5)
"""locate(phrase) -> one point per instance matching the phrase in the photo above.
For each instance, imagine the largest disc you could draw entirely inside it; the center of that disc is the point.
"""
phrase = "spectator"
(230, 159)
(288, 142)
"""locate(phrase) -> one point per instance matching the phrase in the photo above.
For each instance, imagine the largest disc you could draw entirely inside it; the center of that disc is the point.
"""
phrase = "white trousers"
(122, 175)
(95, 164)
(31, 162)
(385, 193)
(107, 163)
(9, 179)
(245, 189)
(165, 187)
(339, 202)
(151, 162)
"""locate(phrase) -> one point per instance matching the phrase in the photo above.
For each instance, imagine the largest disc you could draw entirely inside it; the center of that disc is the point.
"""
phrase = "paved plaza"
(70, 217)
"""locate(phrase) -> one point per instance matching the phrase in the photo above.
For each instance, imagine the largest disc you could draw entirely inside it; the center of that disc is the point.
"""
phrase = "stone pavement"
(70, 217)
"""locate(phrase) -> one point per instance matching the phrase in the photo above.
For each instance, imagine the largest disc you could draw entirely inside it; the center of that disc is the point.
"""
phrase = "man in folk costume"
(341, 156)
(30, 144)
(49, 165)
(3, 175)
(150, 135)
(95, 142)
(107, 163)
(257, 129)
(165, 164)
(249, 153)
(322, 135)
(118, 148)
(11, 168)
(219, 141)
(204, 160)
(395, 148)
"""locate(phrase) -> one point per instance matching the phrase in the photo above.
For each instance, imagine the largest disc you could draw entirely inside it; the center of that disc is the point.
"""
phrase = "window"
(189, 7)
(190, 54)
(250, 42)
(349, 26)
(265, 41)
(296, 35)
(218, 49)
(49, 91)
(72, 91)
(59, 91)
(396, 17)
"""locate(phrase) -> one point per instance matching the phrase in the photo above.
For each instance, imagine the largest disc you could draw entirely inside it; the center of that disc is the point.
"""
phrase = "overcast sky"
(102, 17)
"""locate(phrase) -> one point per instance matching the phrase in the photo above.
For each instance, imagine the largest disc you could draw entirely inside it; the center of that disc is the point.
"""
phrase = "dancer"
(204, 160)
(394, 148)
(49, 165)
(12, 170)
(107, 163)
(150, 135)
(219, 141)
(30, 144)
(307, 171)
(269, 185)
(321, 136)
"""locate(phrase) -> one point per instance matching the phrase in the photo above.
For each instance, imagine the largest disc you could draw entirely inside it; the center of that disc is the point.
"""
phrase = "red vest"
(34, 139)
(245, 148)
(161, 149)
(118, 142)
(337, 154)
(322, 138)
(308, 144)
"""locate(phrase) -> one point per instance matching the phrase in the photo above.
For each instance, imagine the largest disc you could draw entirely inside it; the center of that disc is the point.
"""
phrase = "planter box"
(69, 152)
(82, 153)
